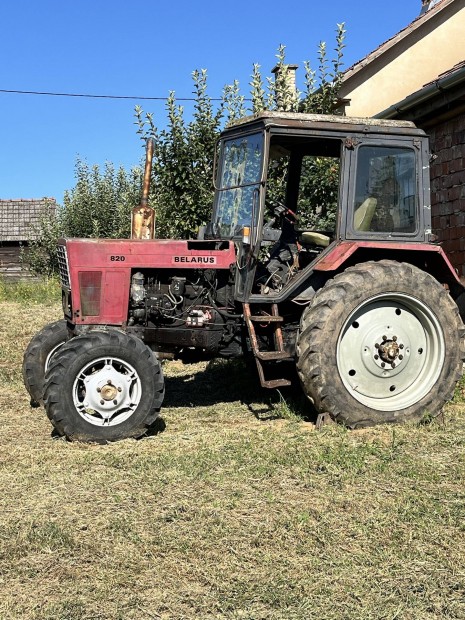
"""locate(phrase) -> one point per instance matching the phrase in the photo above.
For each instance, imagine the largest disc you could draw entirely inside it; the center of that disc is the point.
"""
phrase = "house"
(419, 75)
(426, 48)
(19, 220)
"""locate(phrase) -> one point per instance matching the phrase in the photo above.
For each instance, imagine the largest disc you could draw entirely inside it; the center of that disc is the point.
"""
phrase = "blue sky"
(120, 47)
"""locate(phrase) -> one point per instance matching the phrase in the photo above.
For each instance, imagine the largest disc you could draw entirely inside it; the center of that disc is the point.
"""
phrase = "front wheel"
(381, 342)
(38, 355)
(103, 386)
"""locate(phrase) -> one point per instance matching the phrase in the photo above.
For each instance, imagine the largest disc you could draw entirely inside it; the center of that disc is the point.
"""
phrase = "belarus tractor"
(356, 295)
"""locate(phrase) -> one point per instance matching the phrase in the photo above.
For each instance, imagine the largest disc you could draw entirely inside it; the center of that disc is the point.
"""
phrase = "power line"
(135, 97)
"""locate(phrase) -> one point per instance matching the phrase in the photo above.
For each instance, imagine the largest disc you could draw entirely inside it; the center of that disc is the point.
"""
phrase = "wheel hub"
(389, 351)
(108, 392)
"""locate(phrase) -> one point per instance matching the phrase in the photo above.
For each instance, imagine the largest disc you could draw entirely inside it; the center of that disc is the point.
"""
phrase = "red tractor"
(358, 298)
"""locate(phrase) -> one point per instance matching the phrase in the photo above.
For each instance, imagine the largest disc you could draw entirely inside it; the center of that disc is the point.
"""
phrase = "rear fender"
(428, 257)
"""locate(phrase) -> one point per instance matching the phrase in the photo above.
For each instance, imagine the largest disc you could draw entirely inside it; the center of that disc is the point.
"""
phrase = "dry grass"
(230, 513)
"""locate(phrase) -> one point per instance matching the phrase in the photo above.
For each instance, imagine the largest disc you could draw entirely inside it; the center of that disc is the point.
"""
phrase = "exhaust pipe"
(143, 216)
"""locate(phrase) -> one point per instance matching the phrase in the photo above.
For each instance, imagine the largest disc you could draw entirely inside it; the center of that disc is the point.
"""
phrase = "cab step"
(273, 355)
(262, 358)
(266, 318)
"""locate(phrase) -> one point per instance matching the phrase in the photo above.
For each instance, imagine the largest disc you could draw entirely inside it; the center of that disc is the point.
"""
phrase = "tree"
(100, 203)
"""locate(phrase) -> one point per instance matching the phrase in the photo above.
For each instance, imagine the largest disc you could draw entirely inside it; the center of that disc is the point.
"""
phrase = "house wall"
(11, 268)
(447, 141)
(413, 58)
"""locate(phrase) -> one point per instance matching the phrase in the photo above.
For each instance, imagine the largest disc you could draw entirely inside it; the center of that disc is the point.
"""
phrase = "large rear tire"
(103, 386)
(381, 343)
(38, 355)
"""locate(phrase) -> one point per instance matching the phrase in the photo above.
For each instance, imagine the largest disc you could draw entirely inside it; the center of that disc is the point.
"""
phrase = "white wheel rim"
(107, 391)
(390, 352)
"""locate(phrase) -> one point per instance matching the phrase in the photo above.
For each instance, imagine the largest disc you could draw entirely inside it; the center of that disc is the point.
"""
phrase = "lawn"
(237, 509)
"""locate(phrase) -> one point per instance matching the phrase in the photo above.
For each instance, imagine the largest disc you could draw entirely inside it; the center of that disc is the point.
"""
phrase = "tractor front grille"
(63, 266)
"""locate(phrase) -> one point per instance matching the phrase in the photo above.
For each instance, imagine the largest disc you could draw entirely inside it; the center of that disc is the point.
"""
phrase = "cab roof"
(354, 124)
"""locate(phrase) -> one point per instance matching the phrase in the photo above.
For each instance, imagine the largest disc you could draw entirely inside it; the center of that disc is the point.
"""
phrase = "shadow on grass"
(236, 380)
(220, 381)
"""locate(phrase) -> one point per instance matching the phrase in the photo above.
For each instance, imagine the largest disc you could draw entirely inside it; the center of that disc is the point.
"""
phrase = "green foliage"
(282, 94)
(256, 90)
(41, 255)
(233, 102)
(319, 189)
(100, 204)
(322, 93)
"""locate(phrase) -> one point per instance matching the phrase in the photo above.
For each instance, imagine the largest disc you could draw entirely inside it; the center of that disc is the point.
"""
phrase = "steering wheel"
(280, 210)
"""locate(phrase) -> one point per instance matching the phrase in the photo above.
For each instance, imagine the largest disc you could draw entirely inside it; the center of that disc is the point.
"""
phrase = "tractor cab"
(291, 187)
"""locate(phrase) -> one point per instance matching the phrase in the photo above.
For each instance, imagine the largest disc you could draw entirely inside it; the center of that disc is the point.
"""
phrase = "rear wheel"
(103, 386)
(381, 342)
(37, 358)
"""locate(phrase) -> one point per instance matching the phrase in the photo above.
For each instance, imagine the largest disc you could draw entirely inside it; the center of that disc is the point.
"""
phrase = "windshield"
(236, 199)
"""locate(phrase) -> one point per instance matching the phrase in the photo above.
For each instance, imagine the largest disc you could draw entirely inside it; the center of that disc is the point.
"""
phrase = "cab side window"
(385, 190)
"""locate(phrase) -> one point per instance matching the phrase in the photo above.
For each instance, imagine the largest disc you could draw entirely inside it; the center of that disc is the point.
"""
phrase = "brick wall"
(448, 188)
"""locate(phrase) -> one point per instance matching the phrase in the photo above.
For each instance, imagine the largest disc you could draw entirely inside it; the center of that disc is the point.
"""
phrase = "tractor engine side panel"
(96, 274)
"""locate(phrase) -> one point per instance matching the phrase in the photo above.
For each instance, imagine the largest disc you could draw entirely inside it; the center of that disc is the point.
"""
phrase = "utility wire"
(35, 92)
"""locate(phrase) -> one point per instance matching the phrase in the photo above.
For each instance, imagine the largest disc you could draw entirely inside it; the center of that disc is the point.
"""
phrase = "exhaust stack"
(143, 216)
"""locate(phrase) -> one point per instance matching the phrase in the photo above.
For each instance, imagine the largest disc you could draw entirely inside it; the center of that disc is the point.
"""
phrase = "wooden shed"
(19, 219)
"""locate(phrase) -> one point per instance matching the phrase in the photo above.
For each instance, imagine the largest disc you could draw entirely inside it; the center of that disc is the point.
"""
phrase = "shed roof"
(19, 218)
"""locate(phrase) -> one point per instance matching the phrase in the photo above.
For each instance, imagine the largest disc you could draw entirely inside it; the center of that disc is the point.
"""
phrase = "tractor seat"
(364, 214)
(312, 238)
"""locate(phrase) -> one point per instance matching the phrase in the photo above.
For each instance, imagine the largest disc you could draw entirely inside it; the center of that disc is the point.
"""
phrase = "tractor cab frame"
(381, 197)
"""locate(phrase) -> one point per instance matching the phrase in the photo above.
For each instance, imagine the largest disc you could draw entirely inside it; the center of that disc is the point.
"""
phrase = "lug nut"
(376, 346)
(401, 346)
(401, 357)
(115, 402)
(383, 364)
(393, 365)
(109, 382)
(394, 338)
(102, 402)
(376, 357)
(99, 389)
(120, 389)
(384, 338)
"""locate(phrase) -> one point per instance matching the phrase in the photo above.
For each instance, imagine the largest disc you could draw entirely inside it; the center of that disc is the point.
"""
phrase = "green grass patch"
(43, 291)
